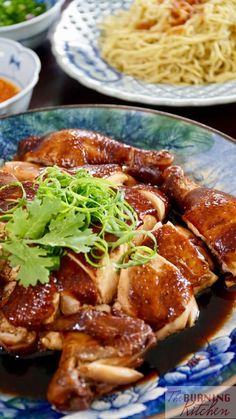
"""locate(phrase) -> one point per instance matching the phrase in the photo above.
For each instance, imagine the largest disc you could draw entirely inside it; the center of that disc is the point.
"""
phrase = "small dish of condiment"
(20, 67)
(28, 21)
(17, 11)
(7, 89)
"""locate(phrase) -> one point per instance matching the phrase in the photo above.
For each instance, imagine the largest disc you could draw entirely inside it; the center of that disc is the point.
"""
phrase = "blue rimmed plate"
(209, 157)
(75, 46)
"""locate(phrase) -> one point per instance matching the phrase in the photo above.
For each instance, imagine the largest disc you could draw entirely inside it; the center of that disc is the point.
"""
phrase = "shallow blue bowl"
(207, 156)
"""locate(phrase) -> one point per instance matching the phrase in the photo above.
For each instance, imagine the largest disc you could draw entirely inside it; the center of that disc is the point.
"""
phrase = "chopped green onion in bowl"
(17, 11)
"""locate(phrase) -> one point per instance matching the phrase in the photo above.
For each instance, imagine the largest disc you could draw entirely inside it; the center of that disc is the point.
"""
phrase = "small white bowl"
(33, 32)
(21, 66)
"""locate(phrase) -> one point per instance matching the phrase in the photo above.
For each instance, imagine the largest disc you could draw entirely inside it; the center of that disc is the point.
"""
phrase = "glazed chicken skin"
(147, 200)
(21, 170)
(100, 351)
(75, 147)
(100, 348)
(180, 247)
(159, 294)
(104, 319)
(25, 171)
(209, 213)
(80, 283)
(10, 190)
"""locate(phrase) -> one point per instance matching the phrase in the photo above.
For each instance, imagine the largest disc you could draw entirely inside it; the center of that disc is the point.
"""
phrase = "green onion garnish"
(80, 212)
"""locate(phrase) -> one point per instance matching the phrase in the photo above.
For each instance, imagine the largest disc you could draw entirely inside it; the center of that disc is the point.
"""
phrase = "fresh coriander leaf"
(31, 221)
(66, 232)
(40, 213)
(19, 223)
(59, 217)
(67, 222)
(34, 265)
(81, 242)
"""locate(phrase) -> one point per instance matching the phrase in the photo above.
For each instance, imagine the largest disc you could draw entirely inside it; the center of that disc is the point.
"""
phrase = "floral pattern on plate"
(205, 154)
(209, 366)
(76, 48)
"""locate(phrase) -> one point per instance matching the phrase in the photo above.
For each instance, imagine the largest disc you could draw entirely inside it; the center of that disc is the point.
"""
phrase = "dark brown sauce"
(27, 377)
(30, 377)
(216, 306)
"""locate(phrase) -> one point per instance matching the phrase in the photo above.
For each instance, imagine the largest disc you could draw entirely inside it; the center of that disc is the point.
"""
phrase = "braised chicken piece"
(75, 147)
(112, 172)
(6, 287)
(147, 201)
(32, 306)
(104, 318)
(176, 245)
(81, 283)
(23, 310)
(11, 191)
(76, 285)
(209, 213)
(23, 171)
(230, 281)
(100, 352)
(13, 338)
(16, 339)
(5, 180)
(159, 294)
(199, 244)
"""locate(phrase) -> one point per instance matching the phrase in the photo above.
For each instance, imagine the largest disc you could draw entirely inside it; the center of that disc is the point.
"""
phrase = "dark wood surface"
(56, 88)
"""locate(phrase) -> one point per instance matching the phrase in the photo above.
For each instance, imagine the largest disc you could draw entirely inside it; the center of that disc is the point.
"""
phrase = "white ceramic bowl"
(32, 33)
(21, 66)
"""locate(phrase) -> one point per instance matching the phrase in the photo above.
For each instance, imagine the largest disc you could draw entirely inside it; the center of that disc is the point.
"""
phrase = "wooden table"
(56, 88)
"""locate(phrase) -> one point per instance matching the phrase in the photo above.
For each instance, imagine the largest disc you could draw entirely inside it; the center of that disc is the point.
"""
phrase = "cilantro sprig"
(69, 211)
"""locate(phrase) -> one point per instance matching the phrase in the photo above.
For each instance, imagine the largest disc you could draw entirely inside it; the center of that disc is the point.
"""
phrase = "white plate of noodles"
(160, 52)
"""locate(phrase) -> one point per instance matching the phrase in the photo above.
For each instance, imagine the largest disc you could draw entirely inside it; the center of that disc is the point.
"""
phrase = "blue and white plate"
(75, 46)
(207, 156)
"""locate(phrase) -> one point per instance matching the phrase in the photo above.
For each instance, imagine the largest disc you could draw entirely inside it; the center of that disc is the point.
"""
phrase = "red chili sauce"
(7, 89)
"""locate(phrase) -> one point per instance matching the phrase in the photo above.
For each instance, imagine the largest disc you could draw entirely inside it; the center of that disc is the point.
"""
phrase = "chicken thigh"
(75, 147)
